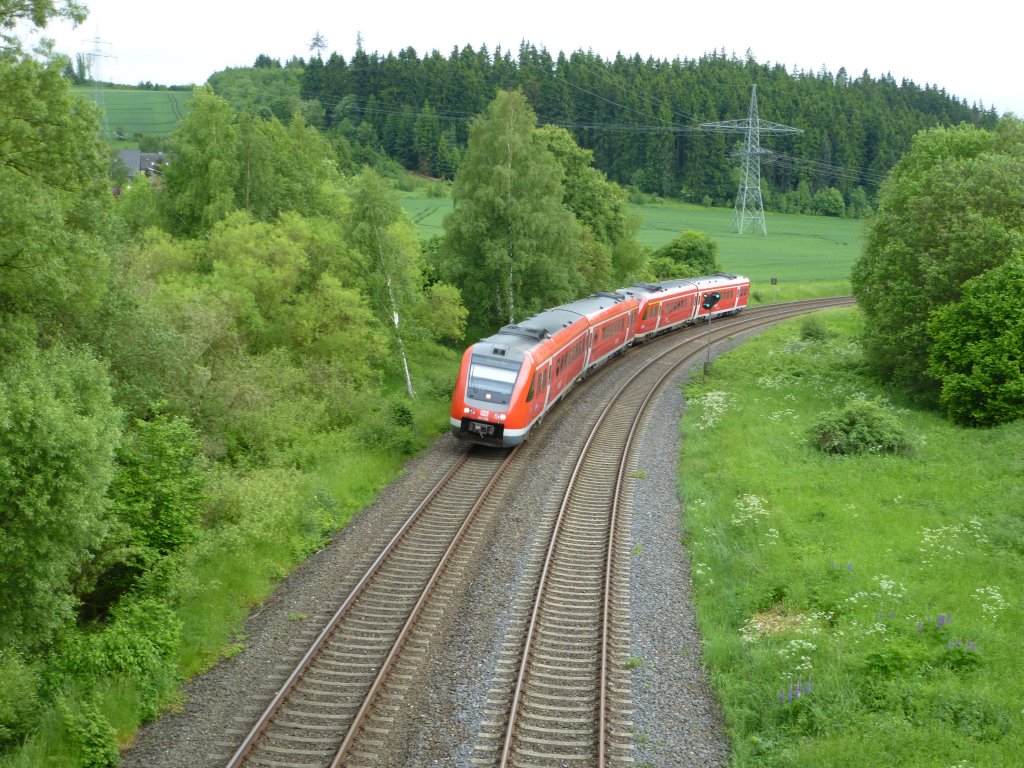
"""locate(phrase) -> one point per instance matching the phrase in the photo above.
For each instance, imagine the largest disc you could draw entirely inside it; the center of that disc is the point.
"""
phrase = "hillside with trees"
(639, 117)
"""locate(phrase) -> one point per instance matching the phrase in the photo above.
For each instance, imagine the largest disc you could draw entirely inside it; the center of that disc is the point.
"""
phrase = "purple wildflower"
(849, 566)
(971, 646)
(919, 627)
(799, 690)
(782, 696)
(807, 687)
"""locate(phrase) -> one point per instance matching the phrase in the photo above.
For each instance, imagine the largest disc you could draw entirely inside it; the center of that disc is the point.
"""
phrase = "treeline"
(177, 366)
(941, 278)
(640, 117)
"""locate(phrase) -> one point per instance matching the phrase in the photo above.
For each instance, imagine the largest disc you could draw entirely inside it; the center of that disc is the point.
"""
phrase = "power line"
(768, 157)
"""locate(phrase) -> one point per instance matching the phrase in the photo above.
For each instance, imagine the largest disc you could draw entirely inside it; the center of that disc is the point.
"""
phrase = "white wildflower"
(713, 405)
(992, 601)
(750, 508)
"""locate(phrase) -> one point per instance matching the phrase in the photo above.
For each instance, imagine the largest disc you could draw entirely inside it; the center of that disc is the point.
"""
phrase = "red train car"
(672, 304)
(508, 381)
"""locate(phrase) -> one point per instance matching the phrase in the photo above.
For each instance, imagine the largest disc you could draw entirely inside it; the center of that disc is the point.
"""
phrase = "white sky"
(970, 49)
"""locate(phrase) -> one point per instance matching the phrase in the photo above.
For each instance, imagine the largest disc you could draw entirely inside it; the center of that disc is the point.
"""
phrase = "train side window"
(529, 393)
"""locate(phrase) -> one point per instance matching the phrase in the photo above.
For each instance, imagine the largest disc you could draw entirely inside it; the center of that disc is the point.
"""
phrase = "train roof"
(703, 282)
(514, 340)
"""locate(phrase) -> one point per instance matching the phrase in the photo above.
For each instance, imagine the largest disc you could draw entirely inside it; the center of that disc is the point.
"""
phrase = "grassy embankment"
(887, 591)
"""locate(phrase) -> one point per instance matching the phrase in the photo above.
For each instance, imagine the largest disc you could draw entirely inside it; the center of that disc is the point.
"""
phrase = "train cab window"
(491, 382)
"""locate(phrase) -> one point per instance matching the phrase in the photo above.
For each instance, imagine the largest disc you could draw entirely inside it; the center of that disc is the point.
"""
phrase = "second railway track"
(565, 680)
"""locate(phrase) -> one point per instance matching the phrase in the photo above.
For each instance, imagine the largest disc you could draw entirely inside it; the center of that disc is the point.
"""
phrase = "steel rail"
(773, 313)
(407, 628)
(310, 656)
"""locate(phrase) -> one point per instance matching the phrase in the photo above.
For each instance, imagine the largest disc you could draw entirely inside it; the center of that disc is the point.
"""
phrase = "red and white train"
(509, 381)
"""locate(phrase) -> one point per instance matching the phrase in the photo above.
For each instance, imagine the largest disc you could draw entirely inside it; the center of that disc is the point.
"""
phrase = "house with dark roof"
(138, 161)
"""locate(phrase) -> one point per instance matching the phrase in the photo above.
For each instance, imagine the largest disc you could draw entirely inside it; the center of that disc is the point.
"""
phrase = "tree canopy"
(511, 246)
(978, 349)
(952, 210)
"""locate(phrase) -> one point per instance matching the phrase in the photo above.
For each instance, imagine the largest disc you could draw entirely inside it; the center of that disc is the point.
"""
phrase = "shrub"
(813, 329)
(389, 427)
(861, 426)
(94, 735)
(18, 698)
(977, 351)
(690, 253)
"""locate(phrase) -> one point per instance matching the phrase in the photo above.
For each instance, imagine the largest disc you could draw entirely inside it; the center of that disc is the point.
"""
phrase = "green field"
(798, 249)
(130, 111)
(892, 583)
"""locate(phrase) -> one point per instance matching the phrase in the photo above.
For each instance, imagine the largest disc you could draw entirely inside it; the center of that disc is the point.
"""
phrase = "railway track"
(569, 703)
(323, 705)
(560, 694)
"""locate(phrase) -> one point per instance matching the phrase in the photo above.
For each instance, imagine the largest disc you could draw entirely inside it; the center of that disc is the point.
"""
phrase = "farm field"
(130, 111)
(850, 621)
(798, 249)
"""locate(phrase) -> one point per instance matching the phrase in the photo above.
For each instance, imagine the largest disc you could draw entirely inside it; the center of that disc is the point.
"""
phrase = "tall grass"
(891, 585)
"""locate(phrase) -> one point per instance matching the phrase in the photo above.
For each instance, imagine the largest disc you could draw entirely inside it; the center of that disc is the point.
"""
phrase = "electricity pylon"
(749, 205)
(95, 58)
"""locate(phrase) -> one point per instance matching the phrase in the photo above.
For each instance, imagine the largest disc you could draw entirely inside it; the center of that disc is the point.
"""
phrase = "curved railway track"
(560, 694)
(570, 700)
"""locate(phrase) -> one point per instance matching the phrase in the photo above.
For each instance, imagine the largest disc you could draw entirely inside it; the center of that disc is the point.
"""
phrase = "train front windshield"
(490, 382)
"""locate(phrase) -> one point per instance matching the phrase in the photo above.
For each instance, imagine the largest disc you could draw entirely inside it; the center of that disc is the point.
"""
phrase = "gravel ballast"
(676, 718)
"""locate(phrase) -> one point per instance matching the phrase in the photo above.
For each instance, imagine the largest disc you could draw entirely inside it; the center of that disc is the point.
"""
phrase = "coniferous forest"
(640, 117)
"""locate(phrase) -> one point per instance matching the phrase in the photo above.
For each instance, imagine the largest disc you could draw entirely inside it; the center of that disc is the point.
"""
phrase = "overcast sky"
(970, 49)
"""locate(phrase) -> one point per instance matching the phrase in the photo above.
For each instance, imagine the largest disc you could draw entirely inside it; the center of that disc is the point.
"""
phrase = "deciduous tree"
(952, 209)
(381, 231)
(978, 350)
(58, 431)
(203, 173)
(511, 244)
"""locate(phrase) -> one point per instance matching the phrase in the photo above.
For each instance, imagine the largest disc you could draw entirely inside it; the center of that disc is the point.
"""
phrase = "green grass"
(810, 567)
(131, 111)
(800, 251)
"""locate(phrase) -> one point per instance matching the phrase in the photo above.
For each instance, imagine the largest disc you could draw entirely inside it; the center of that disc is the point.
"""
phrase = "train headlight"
(502, 416)
(467, 409)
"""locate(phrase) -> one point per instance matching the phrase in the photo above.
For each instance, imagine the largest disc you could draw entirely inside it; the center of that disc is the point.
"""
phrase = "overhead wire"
(770, 157)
